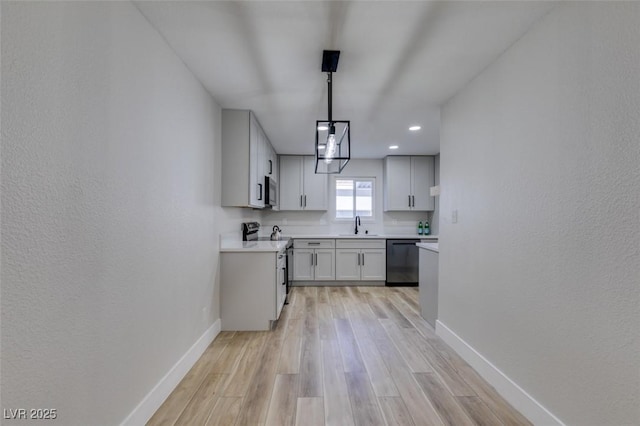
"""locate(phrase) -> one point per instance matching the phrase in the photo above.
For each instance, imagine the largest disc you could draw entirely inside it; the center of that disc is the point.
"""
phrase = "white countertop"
(232, 243)
(363, 236)
(429, 246)
(239, 246)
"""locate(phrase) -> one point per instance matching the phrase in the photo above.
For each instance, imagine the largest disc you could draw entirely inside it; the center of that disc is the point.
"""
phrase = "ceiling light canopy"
(333, 137)
(415, 128)
(393, 147)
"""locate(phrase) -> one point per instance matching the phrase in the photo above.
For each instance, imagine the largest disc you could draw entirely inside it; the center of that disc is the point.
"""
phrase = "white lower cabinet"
(303, 264)
(360, 260)
(428, 276)
(252, 289)
(314, 260)
(373, 265)
(281, 282)
(348, 264)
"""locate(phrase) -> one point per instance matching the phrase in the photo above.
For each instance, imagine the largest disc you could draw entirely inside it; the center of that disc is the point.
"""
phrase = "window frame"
(371, 179)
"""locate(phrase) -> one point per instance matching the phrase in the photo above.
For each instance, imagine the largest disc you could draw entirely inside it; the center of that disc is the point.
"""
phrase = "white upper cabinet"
(422, 178)
(247, 157)
(407, 180)
(256, 152)
(290, 182)
(271, 163)
(300, 187)
(315, 185)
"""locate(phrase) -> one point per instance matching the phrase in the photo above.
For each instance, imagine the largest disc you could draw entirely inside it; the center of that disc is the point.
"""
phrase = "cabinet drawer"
(314, 244)
(361, 243)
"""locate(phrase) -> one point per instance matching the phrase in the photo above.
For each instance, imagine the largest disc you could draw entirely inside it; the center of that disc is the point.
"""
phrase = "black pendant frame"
(334, 164)
(341, 129)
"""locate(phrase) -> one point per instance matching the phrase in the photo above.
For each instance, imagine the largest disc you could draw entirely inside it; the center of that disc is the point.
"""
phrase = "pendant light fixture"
(333, 137)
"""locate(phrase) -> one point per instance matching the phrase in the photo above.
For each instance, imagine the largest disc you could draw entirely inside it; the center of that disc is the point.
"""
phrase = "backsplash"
(292, 223)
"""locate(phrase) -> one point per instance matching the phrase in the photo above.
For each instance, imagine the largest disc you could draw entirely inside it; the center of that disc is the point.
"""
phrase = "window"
(354, 197)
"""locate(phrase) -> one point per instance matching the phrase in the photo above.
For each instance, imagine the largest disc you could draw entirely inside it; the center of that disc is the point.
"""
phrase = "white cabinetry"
(300, 187)
(407, 180)
(428, 281)
(246, 159)
(251, 297)
(314, 260)
(360, 260)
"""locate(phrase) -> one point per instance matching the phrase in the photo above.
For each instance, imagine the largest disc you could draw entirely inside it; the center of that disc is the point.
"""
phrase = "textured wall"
(541, 158)
(109, 183)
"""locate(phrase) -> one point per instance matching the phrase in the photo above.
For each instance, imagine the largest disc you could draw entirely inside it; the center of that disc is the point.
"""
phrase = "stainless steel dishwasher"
(402, 263)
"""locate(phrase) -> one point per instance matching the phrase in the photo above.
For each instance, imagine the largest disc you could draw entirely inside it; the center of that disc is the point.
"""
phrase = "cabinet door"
(281, 290)
(276, 166)
(290, 182)
(325, 269)
(397, 183)
(373, 265)
(422, 178)
(256, 182)
(315, 186)
(303, 264)
(271, 165)
(348, 264)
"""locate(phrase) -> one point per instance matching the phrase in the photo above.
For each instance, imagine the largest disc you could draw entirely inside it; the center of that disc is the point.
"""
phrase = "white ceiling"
(399, 61)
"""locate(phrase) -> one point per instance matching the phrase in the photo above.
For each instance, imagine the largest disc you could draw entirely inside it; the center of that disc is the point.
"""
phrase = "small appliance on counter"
(250, 231)
(276, 235)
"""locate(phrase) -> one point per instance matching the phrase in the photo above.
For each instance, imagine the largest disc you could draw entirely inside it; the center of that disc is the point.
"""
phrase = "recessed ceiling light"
(321, 128)
(393, 147)
(415, 128)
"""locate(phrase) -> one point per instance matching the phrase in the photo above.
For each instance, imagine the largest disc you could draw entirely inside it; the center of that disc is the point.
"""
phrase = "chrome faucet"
(357, 223)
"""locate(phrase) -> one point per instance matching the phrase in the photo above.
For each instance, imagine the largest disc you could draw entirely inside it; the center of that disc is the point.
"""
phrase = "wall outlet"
(454, 216)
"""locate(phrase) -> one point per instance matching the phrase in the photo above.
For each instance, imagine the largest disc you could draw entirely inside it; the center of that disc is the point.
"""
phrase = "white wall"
(540, 156)
(110, 195)
(310, 222)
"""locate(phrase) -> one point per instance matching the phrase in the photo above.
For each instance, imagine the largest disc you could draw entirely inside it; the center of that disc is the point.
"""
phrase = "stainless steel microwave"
(270, 192)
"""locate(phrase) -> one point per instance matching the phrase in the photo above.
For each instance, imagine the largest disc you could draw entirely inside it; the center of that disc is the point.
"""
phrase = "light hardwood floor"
(338, 356)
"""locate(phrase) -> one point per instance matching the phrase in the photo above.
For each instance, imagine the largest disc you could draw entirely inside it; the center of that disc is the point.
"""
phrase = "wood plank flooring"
(338, 356)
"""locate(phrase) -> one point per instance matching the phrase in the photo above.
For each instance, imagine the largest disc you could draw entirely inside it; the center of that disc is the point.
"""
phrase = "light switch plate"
(454, 216)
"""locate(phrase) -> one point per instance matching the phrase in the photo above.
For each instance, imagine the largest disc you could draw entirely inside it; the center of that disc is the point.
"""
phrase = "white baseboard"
(518, 397)
(154, 399)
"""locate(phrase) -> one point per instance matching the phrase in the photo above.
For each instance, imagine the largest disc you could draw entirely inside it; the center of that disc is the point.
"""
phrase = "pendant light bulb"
(330, 150)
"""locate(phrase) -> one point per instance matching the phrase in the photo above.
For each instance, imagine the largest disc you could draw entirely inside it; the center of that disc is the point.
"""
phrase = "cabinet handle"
(270, 167)
(305, 201)
(362, 259)
(260, 192)
(301, 201)
(311, 259)
(358, 258)
(313, 243)
(413, 201)
(409, 200)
